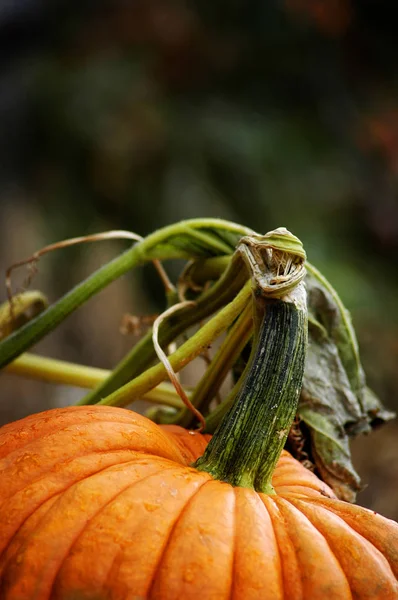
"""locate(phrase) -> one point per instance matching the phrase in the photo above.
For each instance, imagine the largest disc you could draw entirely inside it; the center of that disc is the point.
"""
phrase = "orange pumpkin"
(100, 503)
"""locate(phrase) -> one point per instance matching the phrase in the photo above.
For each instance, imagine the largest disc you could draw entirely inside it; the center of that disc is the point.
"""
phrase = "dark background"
(134, 114)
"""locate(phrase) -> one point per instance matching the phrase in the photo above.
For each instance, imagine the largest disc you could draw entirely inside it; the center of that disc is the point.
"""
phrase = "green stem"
(247, 445)
(55, 371)
(200, 271)
(214, 419)
(36, 329)
(66, 373)
(224, 359)
(185, 353)
(143, 353)
(187, 239)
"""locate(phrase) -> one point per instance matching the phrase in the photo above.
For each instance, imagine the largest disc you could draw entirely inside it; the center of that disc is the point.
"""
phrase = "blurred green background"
(136, 113)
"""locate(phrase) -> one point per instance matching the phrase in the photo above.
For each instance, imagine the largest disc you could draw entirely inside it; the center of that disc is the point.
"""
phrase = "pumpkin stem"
(249, 440)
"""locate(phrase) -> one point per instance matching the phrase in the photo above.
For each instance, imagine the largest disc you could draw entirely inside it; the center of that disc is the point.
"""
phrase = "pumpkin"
(99, 503)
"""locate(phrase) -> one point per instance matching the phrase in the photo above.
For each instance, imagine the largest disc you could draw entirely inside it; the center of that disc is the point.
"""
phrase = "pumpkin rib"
(114, 571)
(297, 490)
(56, 492)
(50, 471)
(21, 469)
(192, 445)
(368, 559)
(18, 437)
(292, 473)
(169, 537)
(260, 574)
(288, 482)
(288, 472)
(320, 571)
(55, 508)
(31, 429)
(45, 474)
(100, 452)
(384, 537)
(26, 529)
(54, 413)
(70, 427)
(127, 526)
(94, 516)
(197, 559)
(56, 497)
(291, 579)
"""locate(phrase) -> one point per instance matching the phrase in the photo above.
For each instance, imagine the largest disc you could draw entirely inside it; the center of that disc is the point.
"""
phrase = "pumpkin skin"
(99, 503)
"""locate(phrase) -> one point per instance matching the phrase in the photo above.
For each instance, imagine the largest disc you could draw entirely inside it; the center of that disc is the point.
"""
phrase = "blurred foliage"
(137, 113)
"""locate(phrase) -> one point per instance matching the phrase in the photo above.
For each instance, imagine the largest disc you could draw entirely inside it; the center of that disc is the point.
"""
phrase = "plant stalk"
(187, 239)
(66, 373)
(183, 355)
(142, 355)
(226, 356)
(247, 445)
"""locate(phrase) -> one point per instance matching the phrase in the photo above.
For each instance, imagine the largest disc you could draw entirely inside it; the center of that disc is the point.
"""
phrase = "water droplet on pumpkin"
(188, 576)
(150, 507)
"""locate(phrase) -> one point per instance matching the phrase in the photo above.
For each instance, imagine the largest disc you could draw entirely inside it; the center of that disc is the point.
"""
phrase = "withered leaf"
(335, 402)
